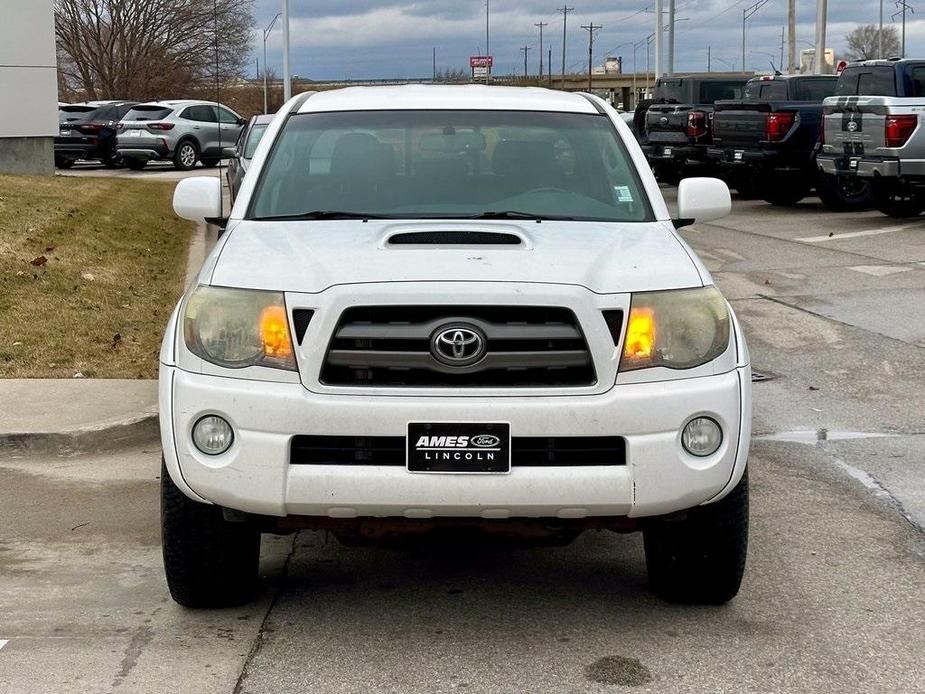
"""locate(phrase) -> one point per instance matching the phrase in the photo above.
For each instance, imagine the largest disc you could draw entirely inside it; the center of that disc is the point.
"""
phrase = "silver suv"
(182, 131)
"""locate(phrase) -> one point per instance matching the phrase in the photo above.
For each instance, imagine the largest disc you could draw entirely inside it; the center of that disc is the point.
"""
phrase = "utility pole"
(819, 53)
(435, 64)
(781, 63)
(792, 36)
(549, 71)
(747, 14)
(709, 59)
(266, 33)
(671, 23)
(541, 25)
(903, 6)
(880, 34)
(564, 11)
(659, 28)
(287, 73)
(524, 50)
(591, 28)
(487, 43)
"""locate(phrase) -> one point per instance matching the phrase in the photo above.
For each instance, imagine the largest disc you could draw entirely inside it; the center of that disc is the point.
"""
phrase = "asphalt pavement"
(832, 601)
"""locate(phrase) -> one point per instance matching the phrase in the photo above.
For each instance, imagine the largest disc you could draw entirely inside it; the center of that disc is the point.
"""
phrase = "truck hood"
(311, 256)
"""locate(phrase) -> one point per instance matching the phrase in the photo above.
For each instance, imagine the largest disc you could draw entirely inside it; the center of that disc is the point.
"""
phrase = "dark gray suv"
(181, 131)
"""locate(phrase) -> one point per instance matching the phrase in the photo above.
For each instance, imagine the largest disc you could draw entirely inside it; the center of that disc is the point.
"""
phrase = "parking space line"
(3, 642)
(856, 234)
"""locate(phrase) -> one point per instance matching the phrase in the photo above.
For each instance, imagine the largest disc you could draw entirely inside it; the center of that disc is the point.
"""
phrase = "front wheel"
(843, 193)
(186, 156)
(701, 559)
(897, 198)
(209, 562)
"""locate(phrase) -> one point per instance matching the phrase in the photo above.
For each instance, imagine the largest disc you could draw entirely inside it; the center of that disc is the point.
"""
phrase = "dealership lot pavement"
(832, 600)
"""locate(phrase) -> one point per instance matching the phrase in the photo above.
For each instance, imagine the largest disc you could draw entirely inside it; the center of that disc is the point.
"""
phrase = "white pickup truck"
(872, 131)
(453, 308)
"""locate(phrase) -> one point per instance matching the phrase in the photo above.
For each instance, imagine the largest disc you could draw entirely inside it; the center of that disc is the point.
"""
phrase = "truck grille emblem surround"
(458, 345)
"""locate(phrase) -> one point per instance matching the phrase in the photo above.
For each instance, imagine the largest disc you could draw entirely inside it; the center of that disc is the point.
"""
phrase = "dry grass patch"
(90, 270)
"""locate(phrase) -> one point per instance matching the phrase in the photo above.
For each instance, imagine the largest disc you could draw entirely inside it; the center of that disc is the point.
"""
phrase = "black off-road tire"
(701, 560)
(843, 193)
(786, 191)
(639, 119)
(63, 163)
(897, 199)
(210, 162)
(209, 562)
(135, 164)
(186, 155)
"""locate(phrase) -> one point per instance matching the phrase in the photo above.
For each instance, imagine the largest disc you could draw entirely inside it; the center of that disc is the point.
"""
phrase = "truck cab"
(872, 132)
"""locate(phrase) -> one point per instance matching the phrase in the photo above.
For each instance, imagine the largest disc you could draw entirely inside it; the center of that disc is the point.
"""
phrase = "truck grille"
(521, 346)
(526, 451)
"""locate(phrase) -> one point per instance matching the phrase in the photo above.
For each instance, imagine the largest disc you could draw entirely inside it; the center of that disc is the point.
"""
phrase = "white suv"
(443, 308)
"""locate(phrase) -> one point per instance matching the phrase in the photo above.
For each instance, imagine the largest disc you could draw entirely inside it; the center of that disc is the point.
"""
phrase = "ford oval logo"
(663, 120)
(485, 441)
(458, 345)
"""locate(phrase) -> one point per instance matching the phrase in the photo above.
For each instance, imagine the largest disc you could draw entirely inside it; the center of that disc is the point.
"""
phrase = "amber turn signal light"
(640, 334)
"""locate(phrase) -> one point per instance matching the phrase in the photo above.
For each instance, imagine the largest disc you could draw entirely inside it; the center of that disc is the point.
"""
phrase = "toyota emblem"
(458, 345)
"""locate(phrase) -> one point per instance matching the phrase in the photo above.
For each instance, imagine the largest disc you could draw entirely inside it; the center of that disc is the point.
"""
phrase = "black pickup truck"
(675, 126)
(767, 142)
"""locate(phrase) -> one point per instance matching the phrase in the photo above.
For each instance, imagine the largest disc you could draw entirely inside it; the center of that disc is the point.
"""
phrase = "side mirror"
(229, 152)
(242, 121)
(702, 200)
(198, 198)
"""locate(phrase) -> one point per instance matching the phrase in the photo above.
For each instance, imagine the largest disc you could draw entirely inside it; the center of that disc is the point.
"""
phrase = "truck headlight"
(236, 328)
(677, 329)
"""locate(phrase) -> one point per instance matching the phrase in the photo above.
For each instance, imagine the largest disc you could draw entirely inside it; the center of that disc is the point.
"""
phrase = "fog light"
(701, 436)
(212, 435)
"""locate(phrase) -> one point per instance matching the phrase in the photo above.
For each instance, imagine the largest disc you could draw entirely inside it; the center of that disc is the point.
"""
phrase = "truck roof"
(888, 62)
(460, 97)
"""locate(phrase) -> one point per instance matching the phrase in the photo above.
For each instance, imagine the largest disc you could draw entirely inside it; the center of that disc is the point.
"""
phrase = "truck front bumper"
(255, 474)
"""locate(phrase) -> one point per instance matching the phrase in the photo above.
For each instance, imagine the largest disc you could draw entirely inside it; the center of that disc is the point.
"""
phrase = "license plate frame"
(666, 152)
(437, 448)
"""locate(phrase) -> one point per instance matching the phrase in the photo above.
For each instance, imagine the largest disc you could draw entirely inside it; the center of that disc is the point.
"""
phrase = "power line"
(591, 28)
(564, 11)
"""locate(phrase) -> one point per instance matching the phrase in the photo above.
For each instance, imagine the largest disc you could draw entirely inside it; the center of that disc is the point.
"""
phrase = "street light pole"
(671, 22)
(819, 53)
(266, 33)
(659, 27)
(287, 74)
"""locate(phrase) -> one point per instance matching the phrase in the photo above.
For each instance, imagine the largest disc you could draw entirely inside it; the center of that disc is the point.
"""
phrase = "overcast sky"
(339, 39)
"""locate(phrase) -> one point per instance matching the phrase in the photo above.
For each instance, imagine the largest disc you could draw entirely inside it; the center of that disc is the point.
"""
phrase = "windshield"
(450, 164)
(253, 139)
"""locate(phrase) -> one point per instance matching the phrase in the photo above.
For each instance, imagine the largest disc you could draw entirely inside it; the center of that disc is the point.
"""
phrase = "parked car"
(184, 132)
(769, 140)
(441, 309)
(88, 131)
(873, 132)
(241, 154)
(676, 124)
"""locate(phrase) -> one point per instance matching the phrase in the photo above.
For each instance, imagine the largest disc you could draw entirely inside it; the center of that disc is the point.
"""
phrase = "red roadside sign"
(481, 61)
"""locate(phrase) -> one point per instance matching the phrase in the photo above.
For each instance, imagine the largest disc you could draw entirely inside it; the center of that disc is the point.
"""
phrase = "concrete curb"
(140, 430)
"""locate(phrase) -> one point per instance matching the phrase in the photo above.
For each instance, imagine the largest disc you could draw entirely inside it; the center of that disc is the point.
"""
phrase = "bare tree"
(864, 42)
(148, 49)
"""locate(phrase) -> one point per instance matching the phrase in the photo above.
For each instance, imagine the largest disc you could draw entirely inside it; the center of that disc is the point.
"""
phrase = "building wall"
(28, 87)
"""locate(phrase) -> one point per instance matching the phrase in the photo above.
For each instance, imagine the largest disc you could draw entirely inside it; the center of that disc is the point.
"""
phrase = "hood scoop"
(455, 238)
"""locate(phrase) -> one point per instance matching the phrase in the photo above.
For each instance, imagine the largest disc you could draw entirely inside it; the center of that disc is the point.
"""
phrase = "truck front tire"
(701, 559)
(209, 562)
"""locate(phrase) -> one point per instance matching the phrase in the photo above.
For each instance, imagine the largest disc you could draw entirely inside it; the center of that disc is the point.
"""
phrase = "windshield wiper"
(516, 214)
(320, 214)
